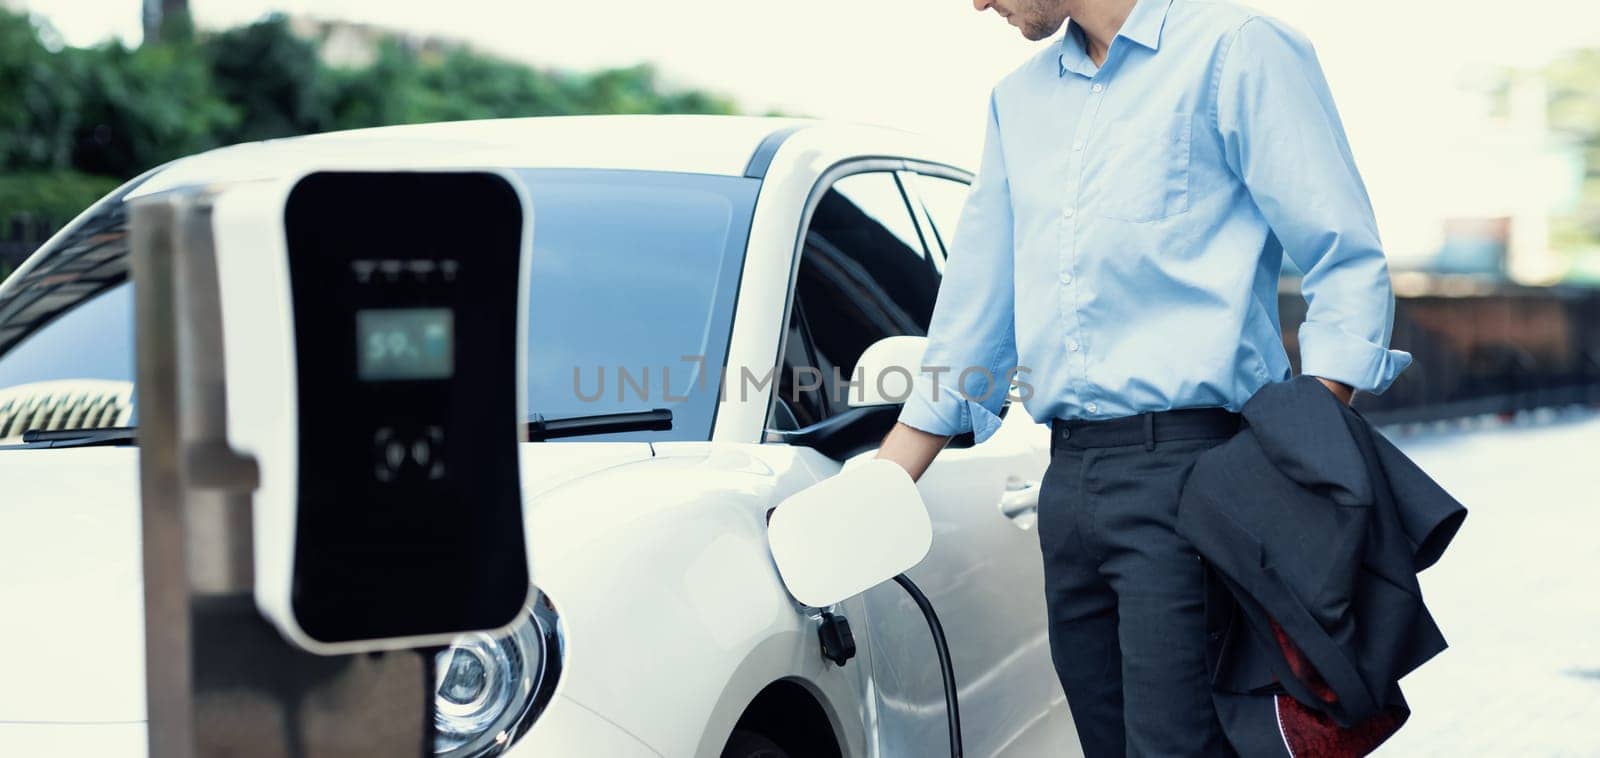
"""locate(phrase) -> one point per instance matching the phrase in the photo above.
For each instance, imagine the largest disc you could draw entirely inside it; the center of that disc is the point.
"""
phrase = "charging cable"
(951, 707)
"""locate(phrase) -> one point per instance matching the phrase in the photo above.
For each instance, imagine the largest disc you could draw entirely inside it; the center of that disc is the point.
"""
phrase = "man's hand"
(912, 448)
(1343, 391)
(909, 447)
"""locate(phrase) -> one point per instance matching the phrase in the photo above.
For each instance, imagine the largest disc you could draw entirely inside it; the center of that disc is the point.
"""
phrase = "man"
(1119, 257)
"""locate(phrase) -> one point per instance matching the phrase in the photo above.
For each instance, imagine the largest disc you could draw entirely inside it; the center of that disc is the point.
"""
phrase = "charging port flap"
(848, 533)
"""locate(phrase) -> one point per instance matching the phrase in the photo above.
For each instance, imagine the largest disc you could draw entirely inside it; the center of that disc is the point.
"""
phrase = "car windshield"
(630, 307)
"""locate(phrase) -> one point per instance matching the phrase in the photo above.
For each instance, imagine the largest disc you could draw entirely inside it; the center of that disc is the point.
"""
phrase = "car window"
(943, 199)
(859, 280)
(800, 401)
(631, 304)
(878, 195)
(100, 329)
(66, 330)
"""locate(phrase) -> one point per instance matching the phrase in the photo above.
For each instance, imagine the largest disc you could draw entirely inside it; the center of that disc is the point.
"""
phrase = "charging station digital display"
(405, 343)
(406, 337)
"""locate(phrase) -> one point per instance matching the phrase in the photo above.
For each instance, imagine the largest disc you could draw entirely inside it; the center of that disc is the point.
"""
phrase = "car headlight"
(488, 689)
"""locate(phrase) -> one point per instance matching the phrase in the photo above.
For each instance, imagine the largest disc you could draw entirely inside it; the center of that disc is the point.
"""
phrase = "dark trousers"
(1125, 593)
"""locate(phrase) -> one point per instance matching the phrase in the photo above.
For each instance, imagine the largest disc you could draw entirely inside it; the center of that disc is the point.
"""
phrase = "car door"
(870, 268)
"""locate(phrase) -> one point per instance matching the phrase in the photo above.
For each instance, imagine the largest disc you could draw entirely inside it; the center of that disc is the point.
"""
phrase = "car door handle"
(1020, 502)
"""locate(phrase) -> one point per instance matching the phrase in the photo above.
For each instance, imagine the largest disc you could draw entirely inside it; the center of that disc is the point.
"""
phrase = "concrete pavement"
(1517, 594)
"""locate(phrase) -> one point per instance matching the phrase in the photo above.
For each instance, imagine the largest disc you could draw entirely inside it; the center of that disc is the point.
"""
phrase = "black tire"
(748, 744)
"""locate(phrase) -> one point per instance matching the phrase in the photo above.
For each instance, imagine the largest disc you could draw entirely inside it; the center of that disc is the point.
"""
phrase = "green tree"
(1573, 83)
(41, 103)
(636, 90)
(271, 77)
(140, 108)
(400, 87)
(374, 95)
(38, 132)
(76, 121)
(53, 196)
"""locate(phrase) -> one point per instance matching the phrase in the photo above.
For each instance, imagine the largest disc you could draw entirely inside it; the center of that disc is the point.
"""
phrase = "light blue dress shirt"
(1120, 249)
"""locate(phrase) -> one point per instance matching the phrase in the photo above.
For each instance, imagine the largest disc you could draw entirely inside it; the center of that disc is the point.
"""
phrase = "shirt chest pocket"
(1143, 168)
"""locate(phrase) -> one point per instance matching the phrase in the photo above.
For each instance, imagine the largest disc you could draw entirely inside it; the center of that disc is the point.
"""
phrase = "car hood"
(71, 596)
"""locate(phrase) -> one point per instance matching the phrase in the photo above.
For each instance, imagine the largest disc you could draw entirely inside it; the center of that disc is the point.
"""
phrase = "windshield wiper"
(539, 429)
(101, 437)
(655, 420)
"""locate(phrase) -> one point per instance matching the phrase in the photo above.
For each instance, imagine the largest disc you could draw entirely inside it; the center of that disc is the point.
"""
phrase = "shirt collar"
(1143, 28)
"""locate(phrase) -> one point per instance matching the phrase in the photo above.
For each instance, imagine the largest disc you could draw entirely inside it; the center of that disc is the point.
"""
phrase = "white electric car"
(684, 262)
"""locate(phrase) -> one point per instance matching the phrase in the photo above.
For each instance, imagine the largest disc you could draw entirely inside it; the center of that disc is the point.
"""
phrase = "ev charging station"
(331, 375)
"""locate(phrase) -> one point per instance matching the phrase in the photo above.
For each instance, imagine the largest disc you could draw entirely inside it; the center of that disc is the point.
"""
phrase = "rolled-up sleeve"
(1283, 137)
(972, 347)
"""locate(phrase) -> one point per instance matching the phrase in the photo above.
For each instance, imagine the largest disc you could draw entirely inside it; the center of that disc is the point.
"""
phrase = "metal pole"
(166, 596)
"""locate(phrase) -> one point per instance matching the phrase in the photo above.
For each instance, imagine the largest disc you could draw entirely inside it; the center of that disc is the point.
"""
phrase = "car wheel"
(747, 744)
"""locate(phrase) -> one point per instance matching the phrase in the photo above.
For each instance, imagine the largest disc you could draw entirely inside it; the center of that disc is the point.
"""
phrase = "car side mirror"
(880, 367)
(887, 366)
(849, 533)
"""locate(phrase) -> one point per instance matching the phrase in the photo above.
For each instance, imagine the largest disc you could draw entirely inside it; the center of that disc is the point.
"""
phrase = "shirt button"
(1091, 407)
(1066, 278)
(1077, 145)
(1098, 87)
(1072, 345)
(1068, 213)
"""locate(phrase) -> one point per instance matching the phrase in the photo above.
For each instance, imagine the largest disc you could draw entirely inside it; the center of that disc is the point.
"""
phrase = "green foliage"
(271, 77)
(75, 121)
(635, 90)
(374, 95)
(142, 107)
(1574, 92)
(177, 25)
(40, 111)
(401, 87)
(104, 110)
(53, 196)
(1573, 83)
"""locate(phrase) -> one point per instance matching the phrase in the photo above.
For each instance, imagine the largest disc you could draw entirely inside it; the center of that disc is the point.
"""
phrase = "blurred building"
(351, 44)
(157, 11)
(1503, 175)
